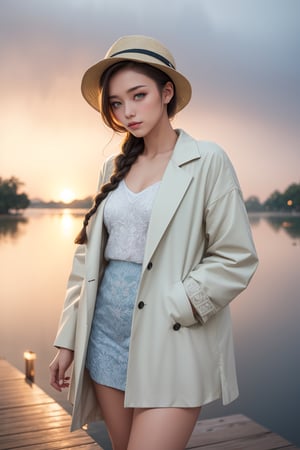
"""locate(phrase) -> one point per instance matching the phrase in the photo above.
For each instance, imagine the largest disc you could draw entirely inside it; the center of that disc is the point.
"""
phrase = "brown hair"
(132, 147)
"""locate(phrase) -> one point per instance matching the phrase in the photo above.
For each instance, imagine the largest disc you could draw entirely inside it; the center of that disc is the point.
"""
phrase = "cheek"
(154, 105)
(117, 114)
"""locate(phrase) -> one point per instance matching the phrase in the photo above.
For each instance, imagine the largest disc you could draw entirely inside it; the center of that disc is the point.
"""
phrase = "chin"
(137, 133)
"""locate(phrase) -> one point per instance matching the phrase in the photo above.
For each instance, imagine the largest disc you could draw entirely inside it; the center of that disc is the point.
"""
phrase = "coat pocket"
(179, 306)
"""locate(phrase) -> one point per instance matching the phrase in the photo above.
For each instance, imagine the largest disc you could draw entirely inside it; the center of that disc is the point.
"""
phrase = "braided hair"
(132, 147)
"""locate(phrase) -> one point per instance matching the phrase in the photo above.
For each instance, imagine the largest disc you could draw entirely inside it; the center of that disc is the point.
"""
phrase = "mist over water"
(35, 258)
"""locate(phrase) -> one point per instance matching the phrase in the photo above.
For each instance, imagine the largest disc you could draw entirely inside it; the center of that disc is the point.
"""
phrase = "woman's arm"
(230, 259)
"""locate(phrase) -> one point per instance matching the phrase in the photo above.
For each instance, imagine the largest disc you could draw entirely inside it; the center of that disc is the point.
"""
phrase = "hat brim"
(91, 79)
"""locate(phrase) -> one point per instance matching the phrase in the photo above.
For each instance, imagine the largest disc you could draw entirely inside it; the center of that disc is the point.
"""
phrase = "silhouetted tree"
(291, 197)
(288, 201)
(275, 202)
(253, 204)
(10, 198)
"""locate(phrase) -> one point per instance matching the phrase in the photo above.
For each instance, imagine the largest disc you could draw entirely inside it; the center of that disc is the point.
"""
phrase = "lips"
(134, 125)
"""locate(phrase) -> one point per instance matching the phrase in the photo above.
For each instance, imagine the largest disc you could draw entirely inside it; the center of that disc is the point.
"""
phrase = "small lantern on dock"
(29, 357)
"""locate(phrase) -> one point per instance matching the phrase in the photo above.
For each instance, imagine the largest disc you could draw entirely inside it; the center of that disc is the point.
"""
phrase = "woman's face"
(137, 103)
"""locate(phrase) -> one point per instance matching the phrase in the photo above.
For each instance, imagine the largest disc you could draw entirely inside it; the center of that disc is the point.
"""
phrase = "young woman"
(163, 251)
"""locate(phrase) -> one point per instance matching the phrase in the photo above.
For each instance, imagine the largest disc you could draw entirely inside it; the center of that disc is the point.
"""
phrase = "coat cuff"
(200, 300)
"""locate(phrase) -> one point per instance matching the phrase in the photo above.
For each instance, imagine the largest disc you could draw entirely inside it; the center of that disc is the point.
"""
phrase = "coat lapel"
(174, 185)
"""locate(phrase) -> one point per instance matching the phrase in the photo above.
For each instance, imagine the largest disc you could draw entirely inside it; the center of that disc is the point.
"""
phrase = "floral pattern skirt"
(107, 353)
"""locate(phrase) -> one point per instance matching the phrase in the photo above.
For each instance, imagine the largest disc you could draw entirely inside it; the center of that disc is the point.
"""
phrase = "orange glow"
(67, 195)
(29, 355)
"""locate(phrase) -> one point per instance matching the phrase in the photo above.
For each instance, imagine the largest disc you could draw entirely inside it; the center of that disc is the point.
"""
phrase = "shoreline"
(74, 208)
(274, 213)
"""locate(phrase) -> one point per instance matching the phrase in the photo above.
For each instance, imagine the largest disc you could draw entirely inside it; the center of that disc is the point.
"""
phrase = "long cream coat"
(199, 248)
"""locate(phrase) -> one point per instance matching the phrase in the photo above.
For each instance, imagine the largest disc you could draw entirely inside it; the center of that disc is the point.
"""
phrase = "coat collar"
(185, 150)
(174, 185)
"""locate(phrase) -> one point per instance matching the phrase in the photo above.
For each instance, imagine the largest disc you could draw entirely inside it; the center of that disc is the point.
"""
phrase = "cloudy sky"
(241, 56)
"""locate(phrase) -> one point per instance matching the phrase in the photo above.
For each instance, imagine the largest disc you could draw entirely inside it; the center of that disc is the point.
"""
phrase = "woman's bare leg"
(162, 428)
(118, 420)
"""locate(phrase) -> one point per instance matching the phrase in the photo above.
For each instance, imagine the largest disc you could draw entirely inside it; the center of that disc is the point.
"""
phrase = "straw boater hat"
(140, 49)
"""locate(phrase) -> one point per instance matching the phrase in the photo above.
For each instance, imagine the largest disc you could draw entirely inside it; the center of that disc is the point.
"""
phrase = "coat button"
(176, 326)
(150, 265)
(141, 305)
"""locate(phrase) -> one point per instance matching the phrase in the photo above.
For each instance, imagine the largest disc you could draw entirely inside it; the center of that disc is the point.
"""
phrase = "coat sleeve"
(65, 337)
(230, 258)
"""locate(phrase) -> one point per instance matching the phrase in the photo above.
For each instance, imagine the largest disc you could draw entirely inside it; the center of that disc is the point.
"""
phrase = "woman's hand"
(59, 367)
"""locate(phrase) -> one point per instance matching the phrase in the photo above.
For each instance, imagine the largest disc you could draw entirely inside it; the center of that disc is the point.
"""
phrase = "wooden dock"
(30, 419)
(235, 432)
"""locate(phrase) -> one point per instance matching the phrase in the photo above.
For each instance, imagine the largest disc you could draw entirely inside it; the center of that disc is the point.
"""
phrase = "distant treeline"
(12, 200)
(287, 201)
(81, 204)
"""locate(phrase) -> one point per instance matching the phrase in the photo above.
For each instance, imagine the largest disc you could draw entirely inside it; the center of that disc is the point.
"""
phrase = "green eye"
(139, 96)
(115, 105)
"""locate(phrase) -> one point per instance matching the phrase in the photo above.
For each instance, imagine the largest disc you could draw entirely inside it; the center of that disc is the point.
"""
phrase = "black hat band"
(146, 52)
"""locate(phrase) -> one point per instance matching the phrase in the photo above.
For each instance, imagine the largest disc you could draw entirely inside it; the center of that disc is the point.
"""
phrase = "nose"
(129, 110)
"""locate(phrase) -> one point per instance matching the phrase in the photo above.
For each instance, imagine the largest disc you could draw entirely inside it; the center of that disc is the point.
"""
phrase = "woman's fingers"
(58, 368)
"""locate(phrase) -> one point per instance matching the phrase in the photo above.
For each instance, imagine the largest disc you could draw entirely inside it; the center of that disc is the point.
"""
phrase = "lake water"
(35, 257)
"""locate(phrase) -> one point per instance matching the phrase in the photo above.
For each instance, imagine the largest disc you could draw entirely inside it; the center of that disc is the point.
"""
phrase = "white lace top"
(126, 217)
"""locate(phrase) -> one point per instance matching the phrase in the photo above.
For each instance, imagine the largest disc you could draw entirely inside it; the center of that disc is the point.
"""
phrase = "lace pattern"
(126, 217)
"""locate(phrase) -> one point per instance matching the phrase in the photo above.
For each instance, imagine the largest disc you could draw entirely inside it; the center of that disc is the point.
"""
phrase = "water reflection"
(12, 226)
(290, 224)
(67, 222)
(254, 219)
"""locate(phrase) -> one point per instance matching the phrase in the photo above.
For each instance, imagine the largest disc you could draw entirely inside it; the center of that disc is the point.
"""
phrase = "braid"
(132, 147)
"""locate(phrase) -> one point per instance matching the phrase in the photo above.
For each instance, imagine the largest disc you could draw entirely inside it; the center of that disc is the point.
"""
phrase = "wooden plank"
(32, 426)
(29, 418)
(255, 442)
(62, 446)
(234, 432)
(56, 436)
(8, 372)
(222, 429)
(35, 411)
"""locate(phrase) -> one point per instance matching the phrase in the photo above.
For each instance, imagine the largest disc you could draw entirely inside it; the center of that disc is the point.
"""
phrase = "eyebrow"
(134, 88)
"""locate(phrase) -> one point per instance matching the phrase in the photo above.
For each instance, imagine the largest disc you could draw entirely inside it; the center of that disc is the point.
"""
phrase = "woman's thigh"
(162, 428)
(118, 420)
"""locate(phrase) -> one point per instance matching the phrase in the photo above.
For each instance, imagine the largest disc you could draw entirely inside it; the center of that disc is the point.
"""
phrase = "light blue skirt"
(107, 353)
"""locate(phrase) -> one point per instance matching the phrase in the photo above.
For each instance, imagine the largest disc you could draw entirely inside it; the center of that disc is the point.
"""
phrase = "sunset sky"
(241, 56)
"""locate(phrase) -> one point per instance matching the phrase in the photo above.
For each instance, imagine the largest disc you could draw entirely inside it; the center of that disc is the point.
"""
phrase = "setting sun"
(67, 195)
